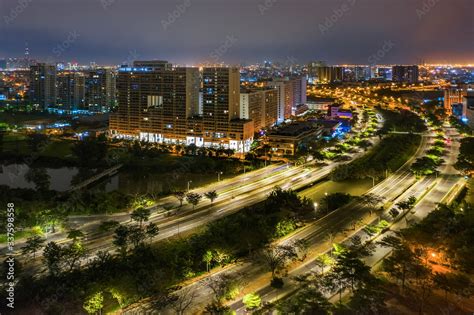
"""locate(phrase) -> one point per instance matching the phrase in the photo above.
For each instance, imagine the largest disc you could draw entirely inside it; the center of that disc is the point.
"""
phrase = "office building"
(70, 90)
(42, 89)
(287, 140)
(405, 74)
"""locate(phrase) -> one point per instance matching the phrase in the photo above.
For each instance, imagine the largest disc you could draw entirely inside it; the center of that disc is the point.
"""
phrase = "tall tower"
(221, 99)
(43, 85)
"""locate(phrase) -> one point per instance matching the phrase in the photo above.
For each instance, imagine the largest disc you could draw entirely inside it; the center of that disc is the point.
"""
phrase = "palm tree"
(211, 195)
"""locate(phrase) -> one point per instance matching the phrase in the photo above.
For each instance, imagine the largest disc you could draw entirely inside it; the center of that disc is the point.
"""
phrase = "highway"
(428, 190)
(338, 223)
(234, 194)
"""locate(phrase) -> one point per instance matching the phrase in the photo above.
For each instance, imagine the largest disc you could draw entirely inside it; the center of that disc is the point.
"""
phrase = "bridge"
(108, 172)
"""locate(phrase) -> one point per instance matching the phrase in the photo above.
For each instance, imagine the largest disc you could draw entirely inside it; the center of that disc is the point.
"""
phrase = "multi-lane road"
(234, 194)
(338, 223)
(428, 190)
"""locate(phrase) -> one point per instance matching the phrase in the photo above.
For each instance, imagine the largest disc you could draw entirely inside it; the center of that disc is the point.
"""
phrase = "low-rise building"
(288, 139)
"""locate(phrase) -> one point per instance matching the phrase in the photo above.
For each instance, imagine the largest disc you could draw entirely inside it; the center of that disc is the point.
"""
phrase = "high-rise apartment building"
(313, 70)
(260, 106)
(161, 104)
(405, 74)
(328, 74)
(100, 91)
(155, 104)
(221, 109)
(291, 92)
(42, 89)
(70, 90)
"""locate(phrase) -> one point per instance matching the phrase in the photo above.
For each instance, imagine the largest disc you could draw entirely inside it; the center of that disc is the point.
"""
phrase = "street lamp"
(327, 202)
(189, 182)
(219, 176)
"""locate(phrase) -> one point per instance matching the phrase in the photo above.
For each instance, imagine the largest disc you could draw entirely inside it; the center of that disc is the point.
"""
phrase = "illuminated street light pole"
(219, 176)
(189, 182)
(327, 202)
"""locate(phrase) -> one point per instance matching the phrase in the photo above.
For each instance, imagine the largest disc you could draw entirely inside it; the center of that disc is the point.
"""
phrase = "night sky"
(239, 31)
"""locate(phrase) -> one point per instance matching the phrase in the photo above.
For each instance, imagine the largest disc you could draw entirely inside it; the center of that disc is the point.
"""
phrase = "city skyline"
(116, 32)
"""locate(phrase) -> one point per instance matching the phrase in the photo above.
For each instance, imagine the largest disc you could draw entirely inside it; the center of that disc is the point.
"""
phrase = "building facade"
(161, 104)
(42, 90)
(329, 74)
(291, 92)
(405, 74)
(100, 90)
(70, 90)
(260, 106)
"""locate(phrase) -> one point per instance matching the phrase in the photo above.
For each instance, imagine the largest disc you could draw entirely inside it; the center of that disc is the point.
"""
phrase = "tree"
(53, 256)
(180, 195)
(152, 230)
(371, 201)
(121, 239)
(136, 235)
(90, 151)
(402, 260)
(140, 215)
(224, 286)
(40, 177)
(309, 300)
(207, 258)
(407, 205)
(369, 298)
(465, 161)
(252, 301)
(454, 283)
(334, 201)
(348, 272)
(33, 244)
(75, 235)
(180, 302)
(73, 254)
(211, 195)
(275, 258)
(94, 303)
(323, 261)
(193, 198)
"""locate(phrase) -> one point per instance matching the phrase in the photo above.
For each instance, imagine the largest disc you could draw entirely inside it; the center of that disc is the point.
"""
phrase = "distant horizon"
(243, 63)
(234, 32)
